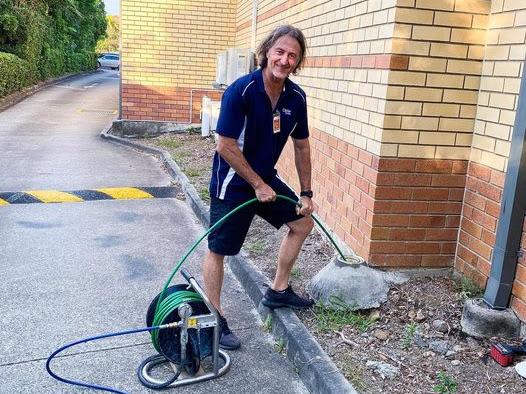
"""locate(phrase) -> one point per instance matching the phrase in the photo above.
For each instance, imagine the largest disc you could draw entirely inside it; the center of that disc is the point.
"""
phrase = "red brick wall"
(392, 212)
(417, 212)
(479, 222)
(170, 104)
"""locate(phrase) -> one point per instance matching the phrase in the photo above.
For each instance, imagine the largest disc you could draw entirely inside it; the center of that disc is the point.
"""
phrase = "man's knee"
(302, 226)
(214, 258)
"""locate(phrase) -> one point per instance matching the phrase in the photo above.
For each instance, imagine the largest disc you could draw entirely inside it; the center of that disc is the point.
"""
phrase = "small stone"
(411, 314)
(420, 317)
(440, 347)
(455, 362)
(458, 348)
(420, 341)
(383, 369)
(450, 354)
(381, 334)
(440, 326)
(374, 315)
(429, 354)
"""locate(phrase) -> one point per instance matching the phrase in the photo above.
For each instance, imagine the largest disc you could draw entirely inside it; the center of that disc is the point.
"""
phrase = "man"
(258, 113)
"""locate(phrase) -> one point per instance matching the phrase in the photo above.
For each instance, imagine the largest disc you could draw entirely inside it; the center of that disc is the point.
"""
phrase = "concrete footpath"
(319, 374)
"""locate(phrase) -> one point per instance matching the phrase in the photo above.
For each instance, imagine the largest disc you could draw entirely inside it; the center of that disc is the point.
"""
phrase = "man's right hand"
(265, 193)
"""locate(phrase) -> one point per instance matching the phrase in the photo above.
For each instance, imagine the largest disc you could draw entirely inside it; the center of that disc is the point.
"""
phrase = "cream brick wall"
(244, 24)
(445, 41)
(173, 44)
(499, 87)
(344, 102)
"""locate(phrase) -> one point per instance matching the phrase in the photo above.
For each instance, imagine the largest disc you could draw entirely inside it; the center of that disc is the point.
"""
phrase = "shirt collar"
(287, 87)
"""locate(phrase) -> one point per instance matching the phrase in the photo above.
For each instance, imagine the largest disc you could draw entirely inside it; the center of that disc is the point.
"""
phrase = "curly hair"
(277, 33)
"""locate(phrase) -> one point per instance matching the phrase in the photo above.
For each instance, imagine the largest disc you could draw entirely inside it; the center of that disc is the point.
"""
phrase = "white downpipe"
(254, 25)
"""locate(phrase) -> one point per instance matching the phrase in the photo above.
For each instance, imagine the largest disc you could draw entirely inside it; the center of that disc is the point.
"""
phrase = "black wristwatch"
(306, 193)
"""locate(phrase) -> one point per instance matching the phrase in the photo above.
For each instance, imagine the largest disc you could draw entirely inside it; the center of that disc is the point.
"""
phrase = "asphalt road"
(76, 269)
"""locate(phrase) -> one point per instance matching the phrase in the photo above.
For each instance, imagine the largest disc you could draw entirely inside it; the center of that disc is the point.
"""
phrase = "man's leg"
(213, 273)
(289, 250)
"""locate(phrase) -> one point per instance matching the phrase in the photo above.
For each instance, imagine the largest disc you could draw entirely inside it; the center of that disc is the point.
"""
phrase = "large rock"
(359, 286)
(481, 321)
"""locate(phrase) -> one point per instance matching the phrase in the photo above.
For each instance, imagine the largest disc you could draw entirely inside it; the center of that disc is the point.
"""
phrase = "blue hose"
(92, 386)
(161, 298)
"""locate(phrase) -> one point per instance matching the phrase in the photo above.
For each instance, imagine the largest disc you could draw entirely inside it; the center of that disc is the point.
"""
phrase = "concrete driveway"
(74, 270)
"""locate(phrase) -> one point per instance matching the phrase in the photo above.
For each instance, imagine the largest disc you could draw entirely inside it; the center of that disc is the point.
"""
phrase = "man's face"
(283, 57)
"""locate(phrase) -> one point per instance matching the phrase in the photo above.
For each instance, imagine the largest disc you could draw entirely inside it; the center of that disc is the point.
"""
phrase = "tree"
(110, 43)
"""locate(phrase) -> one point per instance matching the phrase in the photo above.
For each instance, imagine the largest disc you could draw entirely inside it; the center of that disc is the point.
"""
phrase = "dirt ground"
(413, 343)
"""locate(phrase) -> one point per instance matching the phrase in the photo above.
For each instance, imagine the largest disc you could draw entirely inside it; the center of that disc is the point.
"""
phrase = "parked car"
(110, 60)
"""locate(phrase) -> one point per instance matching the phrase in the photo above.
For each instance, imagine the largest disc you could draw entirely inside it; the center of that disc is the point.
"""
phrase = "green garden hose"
(167, 305)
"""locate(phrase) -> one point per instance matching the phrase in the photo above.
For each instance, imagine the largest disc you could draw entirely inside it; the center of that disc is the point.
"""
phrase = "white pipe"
(254, 24)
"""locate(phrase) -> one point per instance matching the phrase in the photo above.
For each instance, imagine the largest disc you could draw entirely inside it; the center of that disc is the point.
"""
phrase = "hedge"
(15, 74)
(42, 39)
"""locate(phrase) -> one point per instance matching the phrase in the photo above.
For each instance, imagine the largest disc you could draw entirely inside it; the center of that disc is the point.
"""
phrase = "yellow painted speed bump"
(54, 196)
(125, 193)
(114, 193)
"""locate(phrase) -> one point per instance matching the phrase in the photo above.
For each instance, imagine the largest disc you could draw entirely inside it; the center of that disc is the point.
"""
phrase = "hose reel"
(193, 335)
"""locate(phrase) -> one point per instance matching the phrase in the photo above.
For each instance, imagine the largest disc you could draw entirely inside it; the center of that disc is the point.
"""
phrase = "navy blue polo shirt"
(247, 116)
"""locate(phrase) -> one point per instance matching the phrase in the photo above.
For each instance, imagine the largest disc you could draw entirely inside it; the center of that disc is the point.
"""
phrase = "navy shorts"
(228, 238)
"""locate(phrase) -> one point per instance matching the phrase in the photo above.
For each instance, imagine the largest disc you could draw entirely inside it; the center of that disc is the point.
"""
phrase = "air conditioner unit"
(239, 62)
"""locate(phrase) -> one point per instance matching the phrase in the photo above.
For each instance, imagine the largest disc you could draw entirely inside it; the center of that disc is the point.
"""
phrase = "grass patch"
(193, 173)
(255, 247)
(354, 375)
(279, 346)
(409, 335)
(267, 325)
(169, 143)
(204, 194)
(445, 385)
(295, 273)
(336, 314)
(468, 289)
(179, 156)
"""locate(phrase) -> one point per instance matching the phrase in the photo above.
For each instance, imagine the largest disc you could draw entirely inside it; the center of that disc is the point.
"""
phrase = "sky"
(112, 7)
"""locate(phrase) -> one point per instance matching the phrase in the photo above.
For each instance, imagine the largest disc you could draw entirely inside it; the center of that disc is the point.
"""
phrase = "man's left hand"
(307, 206)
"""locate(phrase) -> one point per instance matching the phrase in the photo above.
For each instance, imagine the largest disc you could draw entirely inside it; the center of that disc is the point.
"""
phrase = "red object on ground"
(501, 354)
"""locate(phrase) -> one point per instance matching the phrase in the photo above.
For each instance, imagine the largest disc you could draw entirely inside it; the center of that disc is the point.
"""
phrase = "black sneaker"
(286, 298)
(228, 340)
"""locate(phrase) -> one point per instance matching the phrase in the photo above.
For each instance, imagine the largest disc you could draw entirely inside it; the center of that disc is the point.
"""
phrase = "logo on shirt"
(286, 111)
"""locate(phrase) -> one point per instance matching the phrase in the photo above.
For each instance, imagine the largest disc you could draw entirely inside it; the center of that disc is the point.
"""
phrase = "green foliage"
(446, 384)
(295, 273)
(255, 247)
(279, 346)
(110, 42)
(267, 325)
(337, 314)
(409, 336)
(204, 194)
(168, 143)
(468, 289)
(54, 37)
(15, 74)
